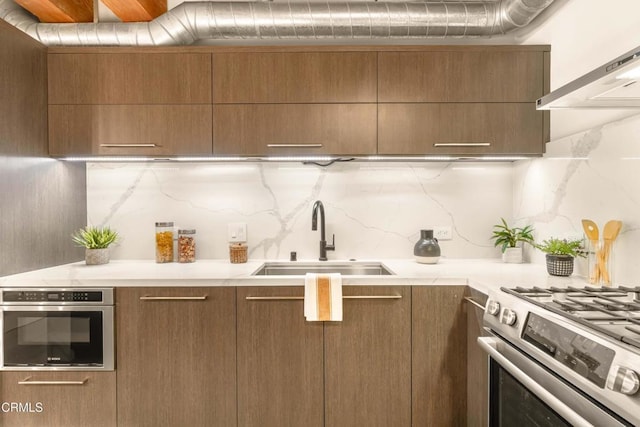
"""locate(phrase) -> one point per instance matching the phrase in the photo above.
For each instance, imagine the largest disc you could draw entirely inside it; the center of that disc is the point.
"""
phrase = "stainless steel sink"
(301, 268)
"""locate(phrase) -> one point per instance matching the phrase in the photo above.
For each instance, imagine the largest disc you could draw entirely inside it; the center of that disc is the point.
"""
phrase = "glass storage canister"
(164, 242)
(186, 245)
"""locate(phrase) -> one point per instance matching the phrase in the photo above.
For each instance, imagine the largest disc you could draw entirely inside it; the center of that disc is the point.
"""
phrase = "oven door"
(57, 337)
(524, 393)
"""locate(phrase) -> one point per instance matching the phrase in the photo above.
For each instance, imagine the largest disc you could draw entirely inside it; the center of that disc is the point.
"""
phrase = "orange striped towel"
(323, 297)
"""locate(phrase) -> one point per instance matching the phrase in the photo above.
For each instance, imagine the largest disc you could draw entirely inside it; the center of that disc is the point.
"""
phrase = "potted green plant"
(560, 254)
(96, 241)
(510, 240)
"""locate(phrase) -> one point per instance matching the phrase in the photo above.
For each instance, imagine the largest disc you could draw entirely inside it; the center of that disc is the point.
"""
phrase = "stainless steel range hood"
(615, 84)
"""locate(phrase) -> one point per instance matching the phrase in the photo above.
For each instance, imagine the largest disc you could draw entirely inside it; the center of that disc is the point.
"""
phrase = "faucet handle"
(332, 246)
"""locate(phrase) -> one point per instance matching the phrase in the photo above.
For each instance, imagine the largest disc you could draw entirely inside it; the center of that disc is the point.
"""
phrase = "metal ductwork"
(356, 20)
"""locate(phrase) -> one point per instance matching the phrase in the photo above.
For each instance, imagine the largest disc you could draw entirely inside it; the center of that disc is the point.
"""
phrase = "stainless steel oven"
(552, 364)
(57, 329)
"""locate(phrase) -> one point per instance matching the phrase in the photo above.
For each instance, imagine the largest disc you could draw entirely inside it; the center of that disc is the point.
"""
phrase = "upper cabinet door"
(130, 78)
(460, 76)
(294, 77)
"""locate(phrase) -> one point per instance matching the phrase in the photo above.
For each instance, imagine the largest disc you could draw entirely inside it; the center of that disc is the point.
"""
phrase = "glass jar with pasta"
(164, 242)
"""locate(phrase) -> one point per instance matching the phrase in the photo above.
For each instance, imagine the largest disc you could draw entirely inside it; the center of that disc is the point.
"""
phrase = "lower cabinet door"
(368, 359)
(58, 399)
(176, 357)
(280, 360)
(439, 372)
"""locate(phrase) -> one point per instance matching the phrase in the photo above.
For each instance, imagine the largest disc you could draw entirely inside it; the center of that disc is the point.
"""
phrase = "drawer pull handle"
(294, 145)
(462, 144)
(147, 298)
(29, 381)
(285, 298)
(129, 145)
(474, 302)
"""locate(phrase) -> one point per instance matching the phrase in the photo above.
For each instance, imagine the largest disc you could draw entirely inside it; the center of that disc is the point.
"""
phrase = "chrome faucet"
(318, 206)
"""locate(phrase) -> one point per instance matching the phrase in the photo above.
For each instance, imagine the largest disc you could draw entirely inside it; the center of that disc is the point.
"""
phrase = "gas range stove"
(614, 312)
(589, 337)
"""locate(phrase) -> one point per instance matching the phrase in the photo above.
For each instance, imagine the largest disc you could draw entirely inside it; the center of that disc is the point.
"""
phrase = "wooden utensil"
(609, 233)
(592, 233)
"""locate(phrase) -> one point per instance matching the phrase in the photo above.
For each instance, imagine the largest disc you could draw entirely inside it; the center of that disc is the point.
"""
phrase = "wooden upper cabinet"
(461, 76)
(129, 78)
(294, 77)
(460, 129)
(289, 129)
(137, 130)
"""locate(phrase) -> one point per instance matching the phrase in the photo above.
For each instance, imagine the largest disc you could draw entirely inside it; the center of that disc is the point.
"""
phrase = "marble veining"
(374, 209)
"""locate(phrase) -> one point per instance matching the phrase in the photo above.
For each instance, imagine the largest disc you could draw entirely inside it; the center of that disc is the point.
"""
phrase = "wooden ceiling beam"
(60, 10)
(136, 10)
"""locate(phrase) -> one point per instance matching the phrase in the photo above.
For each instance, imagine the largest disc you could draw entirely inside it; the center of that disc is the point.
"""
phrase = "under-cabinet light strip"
(296, 159)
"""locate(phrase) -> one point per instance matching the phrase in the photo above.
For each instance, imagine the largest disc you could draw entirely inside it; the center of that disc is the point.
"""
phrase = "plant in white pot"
(96, 241)
(510, 240)
(560, 254)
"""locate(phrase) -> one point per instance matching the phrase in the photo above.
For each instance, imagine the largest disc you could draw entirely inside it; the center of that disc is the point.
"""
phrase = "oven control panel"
(584, 356)
(52, 296)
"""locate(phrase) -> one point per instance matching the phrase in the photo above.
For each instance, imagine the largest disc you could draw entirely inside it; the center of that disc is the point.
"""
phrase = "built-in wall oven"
(57, 329)
(563, 357)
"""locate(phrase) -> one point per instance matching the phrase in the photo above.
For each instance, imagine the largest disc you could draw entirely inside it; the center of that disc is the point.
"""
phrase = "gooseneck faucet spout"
(318, 206)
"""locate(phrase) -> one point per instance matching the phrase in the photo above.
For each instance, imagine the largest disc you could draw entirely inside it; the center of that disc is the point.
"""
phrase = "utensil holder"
(600, 262)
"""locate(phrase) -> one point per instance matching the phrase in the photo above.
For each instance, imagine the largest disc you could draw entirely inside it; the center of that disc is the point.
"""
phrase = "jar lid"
(164, 224)
(188, 231)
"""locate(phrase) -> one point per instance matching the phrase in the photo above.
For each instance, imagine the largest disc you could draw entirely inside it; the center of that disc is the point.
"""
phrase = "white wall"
(584, 34)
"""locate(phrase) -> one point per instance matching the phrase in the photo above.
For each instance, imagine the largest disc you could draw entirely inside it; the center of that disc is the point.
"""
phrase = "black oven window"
(513, 405)
(43, 338)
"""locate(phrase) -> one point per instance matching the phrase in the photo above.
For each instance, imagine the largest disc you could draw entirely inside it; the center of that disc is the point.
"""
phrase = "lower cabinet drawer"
(52, 399)
(130, 130)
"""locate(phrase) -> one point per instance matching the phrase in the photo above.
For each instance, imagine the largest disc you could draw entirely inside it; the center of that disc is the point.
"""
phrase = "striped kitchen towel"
(323, 297)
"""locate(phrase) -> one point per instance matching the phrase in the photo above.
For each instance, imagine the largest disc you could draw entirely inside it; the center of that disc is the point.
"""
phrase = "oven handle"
(490, 345)
(29, 381)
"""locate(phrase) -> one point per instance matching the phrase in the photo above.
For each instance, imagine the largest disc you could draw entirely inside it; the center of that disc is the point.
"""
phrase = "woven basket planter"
(559, 265)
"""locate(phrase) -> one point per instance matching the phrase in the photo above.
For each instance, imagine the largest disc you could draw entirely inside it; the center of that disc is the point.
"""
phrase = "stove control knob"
(623, 380)
(509, 317)
(493, 308)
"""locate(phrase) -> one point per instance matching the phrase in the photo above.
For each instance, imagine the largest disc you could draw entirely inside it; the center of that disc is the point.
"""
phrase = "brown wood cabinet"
(368, 359)
(459, 128)
(294, 77)
(122, 130)
(351, 373)
(289, 129)
(477, 364)
(439, 356)
(58, 399)
(129, 78)
(176, 357)
(492, 74)
(280, 361)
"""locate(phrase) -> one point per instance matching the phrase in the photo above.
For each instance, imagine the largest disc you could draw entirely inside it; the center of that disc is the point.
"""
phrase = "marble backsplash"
(375, 210)
(593, 174)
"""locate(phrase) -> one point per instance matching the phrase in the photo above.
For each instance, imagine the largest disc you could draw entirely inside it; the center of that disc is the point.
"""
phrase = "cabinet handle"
(146, 298)
(294, 145)
(29, 381)
(129, 145)
(285, 298)
(474, 302)
(462, 144)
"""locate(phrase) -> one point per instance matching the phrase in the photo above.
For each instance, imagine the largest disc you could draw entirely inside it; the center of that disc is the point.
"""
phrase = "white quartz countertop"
(481, 274)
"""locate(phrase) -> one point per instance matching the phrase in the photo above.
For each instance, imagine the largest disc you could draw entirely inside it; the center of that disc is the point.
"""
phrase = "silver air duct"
(193, 21)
